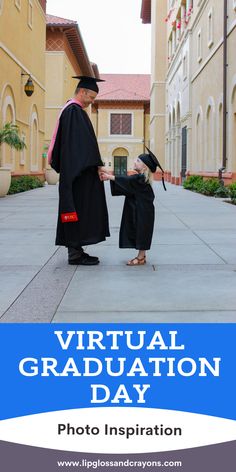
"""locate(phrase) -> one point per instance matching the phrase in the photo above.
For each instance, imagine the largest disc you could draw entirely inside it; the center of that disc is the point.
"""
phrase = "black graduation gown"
(76, 157)
(138, 213)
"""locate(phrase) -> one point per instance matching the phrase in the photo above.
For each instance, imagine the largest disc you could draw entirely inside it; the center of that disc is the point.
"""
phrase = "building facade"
(207, 83)
(120, 116)
(156, 10)
(200, 94)
(22, 55)
(66, 57)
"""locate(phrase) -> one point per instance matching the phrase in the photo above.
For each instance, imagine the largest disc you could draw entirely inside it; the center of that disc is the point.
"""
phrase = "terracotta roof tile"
(129, 87)
(146, 11)
(56, 20)
(71, 31)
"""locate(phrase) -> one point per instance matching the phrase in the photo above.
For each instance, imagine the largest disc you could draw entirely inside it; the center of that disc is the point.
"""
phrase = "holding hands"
(104, 175)
(100, 170)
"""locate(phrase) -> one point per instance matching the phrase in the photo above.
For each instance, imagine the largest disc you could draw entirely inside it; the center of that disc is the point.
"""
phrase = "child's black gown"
(138, 213)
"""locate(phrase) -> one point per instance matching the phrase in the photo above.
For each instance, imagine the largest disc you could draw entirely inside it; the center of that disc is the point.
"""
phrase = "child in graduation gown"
(137, 221)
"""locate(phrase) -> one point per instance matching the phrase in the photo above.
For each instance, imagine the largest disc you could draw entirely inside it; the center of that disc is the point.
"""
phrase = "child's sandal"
(136, 261)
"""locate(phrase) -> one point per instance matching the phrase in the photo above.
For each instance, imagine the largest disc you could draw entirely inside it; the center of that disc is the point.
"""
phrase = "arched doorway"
(173, 151)
(220, 136)
(209, 138)
(34, 141)
(233, 134)
(120, 156)
(198, 160)
(180, 168)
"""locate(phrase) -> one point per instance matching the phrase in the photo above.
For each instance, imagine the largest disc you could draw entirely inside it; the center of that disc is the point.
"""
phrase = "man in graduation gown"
(74, 153)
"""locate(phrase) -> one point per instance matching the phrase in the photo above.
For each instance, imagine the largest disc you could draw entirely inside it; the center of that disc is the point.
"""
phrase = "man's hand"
(101, 169)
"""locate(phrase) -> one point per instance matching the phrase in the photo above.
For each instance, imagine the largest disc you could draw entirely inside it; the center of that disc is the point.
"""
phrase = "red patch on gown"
(68, 217)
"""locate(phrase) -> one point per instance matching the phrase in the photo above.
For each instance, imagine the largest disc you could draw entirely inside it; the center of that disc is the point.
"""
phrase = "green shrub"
(222, 192)
(232, 192)
(193, 182)
(23, 183)
(210, 187)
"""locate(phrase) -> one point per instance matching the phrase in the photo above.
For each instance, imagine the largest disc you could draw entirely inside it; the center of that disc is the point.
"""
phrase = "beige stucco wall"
(22, 49)
(54, 76)
(124, 145)
(54, 95)
(60, 67)
(158, 79)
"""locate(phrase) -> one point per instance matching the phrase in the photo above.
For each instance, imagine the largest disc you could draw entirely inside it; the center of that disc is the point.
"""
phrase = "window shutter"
(121, 123)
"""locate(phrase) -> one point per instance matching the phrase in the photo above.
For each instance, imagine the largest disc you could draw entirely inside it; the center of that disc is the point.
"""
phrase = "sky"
(113, 33)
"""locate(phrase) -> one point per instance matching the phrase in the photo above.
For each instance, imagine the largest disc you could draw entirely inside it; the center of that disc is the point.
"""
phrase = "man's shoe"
(84, 259)
(91, 257)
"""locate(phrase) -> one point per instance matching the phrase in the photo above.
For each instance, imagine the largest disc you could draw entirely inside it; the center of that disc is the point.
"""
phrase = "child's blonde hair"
(148, 175)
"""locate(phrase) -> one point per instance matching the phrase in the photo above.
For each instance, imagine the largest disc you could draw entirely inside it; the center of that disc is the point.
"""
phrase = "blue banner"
(182, 367)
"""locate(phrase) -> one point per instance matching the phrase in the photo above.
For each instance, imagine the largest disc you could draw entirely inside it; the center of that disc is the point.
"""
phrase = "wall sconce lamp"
(29, 86)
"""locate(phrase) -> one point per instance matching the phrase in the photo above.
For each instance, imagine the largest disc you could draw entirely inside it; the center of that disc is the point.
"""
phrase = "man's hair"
(78, 89)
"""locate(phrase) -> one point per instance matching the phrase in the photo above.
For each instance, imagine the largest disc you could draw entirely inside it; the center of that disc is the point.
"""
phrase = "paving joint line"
(66, 288)
(25, 288)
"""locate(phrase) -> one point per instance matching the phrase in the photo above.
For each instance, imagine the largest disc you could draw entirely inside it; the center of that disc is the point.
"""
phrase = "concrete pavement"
(190, 275)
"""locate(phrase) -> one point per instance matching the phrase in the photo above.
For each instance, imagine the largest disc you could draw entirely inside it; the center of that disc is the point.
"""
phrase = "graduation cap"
(152, 163)
(88, 82)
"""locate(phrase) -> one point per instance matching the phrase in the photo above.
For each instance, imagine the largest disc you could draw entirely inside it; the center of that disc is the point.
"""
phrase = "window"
(209, 137)
(210, 28)
(121, 123)
(30, 14)
(22, 153)
(234, 4)
(183, 15)
(34, 142)
(185, 66)
(170, 48)
(173, 41)
(178, 25)
(18, 4)
(199, 46)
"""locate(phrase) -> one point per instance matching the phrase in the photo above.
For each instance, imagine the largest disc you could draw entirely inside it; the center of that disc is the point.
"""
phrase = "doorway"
(120, 165)
(184, 153)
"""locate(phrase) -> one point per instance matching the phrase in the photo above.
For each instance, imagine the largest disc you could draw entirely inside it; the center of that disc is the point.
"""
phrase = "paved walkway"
(190, 275)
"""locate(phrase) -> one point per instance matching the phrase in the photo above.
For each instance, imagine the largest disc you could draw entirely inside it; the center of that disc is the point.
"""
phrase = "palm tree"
(9, 134)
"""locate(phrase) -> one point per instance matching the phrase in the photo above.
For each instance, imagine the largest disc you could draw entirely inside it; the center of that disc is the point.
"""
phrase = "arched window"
(233, 134)
(220, 136)
(34, 142)
(178, 164)
(198, 148)
(169, 157)
(1, 6)
(173, 141)
(210, 138)
(23, 152)
(8, 116)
